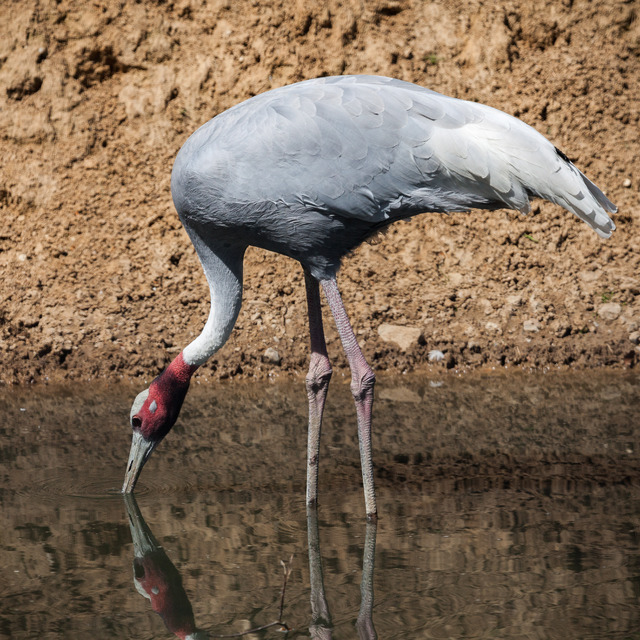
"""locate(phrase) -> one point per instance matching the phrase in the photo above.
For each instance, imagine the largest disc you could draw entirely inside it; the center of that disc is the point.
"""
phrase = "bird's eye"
(138, 570)
(136, 422)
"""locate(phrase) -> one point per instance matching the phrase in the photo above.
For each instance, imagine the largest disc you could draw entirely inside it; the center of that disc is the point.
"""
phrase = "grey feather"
(311, 169)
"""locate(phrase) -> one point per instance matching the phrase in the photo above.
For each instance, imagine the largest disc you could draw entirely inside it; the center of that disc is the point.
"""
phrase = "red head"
(153, 413)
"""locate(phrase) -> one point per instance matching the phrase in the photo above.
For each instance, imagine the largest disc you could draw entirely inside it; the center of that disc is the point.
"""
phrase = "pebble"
(590, 276)
(531, 325)
(627, 183)
(271, 356)
(561, 329)
(474, 346)
(486, 306)
(435, 356)
(609, 311)
(635, 337)
(404, 337)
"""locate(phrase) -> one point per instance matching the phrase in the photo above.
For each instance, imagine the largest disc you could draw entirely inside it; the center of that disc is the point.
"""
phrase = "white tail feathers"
(571, 189)
(547, 173)
(522, 164)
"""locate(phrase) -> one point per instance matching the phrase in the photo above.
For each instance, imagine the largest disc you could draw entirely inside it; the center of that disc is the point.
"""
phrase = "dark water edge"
(509, 509)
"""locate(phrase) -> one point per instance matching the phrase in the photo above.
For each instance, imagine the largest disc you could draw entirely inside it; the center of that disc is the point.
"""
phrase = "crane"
(313, 169)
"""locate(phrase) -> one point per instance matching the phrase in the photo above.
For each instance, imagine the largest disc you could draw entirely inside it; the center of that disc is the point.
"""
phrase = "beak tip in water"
(126, 489)
(129, 482)
(140, 451)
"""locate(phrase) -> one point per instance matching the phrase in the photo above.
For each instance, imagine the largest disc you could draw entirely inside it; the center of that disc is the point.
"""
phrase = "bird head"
(153, 413)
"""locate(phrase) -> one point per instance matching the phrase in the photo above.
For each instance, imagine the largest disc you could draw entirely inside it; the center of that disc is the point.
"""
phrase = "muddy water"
(509, 509)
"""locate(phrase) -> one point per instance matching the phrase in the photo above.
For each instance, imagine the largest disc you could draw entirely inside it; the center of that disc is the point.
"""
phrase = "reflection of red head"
(160, 580)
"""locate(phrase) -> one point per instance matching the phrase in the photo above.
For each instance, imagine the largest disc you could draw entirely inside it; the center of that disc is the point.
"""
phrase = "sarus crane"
(313, 169)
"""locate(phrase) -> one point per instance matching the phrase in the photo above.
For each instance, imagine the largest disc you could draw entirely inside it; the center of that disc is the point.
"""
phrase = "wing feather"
(369, 148)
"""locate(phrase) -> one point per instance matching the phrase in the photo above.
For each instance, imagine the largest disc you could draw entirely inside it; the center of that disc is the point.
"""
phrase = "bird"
(313, 169)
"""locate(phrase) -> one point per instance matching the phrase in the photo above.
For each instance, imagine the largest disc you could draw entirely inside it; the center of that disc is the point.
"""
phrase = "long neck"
(223, 268)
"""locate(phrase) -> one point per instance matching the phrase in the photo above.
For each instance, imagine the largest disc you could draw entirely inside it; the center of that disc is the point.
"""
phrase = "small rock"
(486, 306)
(531, 325)
(630, 285)
(404, 337)
(271, 356)
(631, 324)
(493, 326)
(474, 346)
(435, 356)
(590, 276)
(561, 329)
(610, 311)
(537, 307)
(29, 320)
(627, 183)
(635, 337)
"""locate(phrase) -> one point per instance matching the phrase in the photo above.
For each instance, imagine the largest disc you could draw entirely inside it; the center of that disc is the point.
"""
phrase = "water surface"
(509, 509)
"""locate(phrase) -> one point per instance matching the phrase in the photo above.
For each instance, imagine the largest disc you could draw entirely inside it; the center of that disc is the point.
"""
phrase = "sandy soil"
(100, 280)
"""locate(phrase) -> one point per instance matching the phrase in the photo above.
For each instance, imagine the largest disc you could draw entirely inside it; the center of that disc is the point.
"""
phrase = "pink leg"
(317, 383)
(362, 382)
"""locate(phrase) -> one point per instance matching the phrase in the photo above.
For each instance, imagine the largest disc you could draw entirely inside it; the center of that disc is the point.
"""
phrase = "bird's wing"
(375, 148)
(317, 144)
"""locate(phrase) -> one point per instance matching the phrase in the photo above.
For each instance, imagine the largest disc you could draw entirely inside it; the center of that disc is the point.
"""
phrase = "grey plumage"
(310, 170)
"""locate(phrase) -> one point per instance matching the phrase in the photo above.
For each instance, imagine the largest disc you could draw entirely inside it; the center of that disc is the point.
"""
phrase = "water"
(509, 509)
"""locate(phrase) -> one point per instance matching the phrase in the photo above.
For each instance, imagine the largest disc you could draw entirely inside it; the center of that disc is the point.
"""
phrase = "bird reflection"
(364, 623)
(321, 626)
(157, 579)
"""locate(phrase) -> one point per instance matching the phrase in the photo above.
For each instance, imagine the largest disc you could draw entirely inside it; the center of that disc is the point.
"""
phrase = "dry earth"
(96, 98)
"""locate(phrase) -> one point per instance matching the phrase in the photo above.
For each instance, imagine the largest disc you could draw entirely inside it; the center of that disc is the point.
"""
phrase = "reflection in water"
(364, 624)
(321, 626)
(158, 580)
(510, 508)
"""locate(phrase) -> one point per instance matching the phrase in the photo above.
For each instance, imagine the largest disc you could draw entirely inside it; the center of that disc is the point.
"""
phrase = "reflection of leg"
(317, 383)
(364, 624)
(362, 381)
(321, 626)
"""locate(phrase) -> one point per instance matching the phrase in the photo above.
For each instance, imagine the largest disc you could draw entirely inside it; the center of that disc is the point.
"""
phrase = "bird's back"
(330, 160)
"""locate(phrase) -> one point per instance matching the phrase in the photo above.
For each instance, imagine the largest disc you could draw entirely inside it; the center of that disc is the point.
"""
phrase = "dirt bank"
(99, 279)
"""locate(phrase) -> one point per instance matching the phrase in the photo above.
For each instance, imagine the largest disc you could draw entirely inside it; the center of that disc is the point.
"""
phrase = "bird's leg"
(317, 383)
(362, 382)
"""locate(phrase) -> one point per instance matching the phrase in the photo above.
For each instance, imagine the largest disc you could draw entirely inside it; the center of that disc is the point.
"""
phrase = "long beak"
(140, 451)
